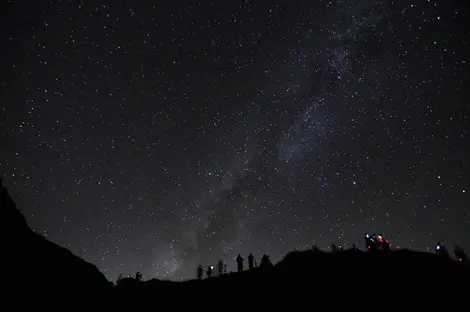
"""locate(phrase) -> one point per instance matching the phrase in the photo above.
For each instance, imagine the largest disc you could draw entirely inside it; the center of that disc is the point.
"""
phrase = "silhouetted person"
(386, 245)
(225, 268)
(441, 250)
(200, 272)
(239, 263)
(334, 248)
(250, 261)
(371, 243)
(460, 254)
(138, 276)
(220, 267)
(265, 262)
(210, 270)
(367, 241)
(355, 249)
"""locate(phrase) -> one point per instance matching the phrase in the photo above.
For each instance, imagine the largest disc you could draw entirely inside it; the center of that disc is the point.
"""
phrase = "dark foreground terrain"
(32, 263)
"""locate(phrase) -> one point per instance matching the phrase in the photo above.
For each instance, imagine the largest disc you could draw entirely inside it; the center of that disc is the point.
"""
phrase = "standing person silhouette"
(460, 254)
(250, 261)
(210, 271)
(200, 272)
(240, 263)
(265, 262)
(221, 267)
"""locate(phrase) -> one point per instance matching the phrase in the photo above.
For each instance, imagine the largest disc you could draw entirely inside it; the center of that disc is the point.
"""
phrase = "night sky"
(155, 137)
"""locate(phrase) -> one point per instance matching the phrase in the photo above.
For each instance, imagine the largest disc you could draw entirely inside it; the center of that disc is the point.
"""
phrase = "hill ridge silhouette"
(33, 258)
(34, 262)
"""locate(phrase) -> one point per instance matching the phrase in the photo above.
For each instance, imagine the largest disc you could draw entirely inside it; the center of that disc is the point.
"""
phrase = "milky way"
(155, 137)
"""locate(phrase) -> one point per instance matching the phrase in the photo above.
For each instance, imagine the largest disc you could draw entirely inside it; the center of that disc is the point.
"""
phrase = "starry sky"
(154, 137)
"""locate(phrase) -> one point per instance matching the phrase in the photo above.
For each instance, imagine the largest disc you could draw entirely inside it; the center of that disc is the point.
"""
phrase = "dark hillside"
(34, 262)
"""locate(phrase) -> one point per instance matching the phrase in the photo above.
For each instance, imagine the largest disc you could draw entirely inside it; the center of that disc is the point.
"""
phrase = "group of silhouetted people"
(222, 267)
(378, 243)
(373, 242)
(459, 253)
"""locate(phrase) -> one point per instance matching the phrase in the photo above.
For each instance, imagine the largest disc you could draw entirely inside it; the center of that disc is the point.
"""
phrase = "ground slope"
(33, 262)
